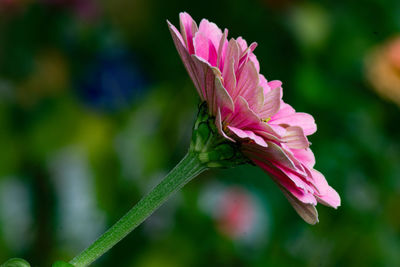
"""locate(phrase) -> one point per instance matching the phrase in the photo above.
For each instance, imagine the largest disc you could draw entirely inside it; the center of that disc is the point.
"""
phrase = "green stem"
(187, 169)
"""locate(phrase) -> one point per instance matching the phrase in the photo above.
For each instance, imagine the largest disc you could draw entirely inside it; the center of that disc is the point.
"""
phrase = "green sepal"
(213, 149)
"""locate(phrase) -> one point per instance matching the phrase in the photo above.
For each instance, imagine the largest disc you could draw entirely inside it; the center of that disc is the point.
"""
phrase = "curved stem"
(187, 169)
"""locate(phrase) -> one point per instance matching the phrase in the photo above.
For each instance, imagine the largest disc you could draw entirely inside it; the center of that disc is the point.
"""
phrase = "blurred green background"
(96, 107)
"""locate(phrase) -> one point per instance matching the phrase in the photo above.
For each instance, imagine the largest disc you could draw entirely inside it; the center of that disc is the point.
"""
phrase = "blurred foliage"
(96, 107)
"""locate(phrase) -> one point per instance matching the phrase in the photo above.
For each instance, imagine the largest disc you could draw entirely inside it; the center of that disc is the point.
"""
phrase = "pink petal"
(283, 168)
(176, 34)
(272, 101)
(286, 182)
(229, 76)
(218, 123)
(210, 30)
(248, 135)
(247, 87)
(186, 59)
(253, 58)
(222, 99)
(256, 99)
(252, 46)
(305, 156)
(188, 30)
(303, 120)
(245, 119)
(303, 202)
(278, 130)
(331, 198)
(247, 54)
(295, 138)
(300, 169)
(268, 135)
(306, 211)
(223, 44)
(273, 153)
(212, 56)
(275, 84)
(285, 110)
(230, 65)
(268, 131)
(201, 45)
(211, 87)
(205, 49)
(242, 44)
(264, 84)
(243, 116)
(300, 180)
(327, 195)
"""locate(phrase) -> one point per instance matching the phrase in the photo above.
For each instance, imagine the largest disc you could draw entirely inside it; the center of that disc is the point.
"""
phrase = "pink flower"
(235, 212)
(249, 110)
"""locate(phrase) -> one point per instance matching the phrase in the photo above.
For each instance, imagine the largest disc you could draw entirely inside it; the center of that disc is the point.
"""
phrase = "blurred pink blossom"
(249, 110)
(236, 212)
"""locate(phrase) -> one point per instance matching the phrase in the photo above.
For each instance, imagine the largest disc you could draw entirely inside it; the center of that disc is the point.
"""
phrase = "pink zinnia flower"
(249, 110)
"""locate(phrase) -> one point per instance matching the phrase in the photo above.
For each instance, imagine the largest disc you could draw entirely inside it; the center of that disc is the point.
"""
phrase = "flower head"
(249, 111)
